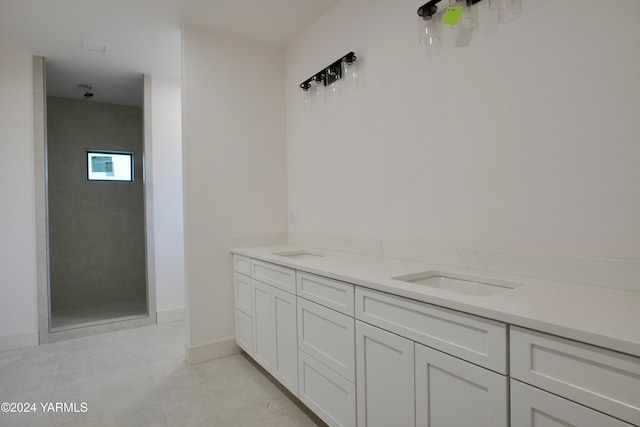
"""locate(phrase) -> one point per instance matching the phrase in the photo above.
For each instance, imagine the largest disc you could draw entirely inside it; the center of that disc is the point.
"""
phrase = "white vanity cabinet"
(266, 325)
(468, 337)
(402, 383)
(275, 333)
(362, 357)
(597, 378)
(410, 378)
(327, 348)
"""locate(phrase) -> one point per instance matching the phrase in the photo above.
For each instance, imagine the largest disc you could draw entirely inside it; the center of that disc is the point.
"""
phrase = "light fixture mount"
(427, 10)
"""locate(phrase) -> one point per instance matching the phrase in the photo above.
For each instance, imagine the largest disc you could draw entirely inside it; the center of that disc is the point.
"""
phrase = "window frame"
(88, 154)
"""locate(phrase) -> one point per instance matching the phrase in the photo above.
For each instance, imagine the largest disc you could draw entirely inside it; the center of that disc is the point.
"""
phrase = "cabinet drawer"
(475, 339)
(532, 407)
(328, 292)
(327, 394)
(243, 293)
(328, 336)
(241, 264)
(598, 378)
(244, 332)
(275, 275)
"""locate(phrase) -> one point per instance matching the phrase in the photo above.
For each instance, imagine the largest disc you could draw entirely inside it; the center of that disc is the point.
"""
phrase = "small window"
(109, 165)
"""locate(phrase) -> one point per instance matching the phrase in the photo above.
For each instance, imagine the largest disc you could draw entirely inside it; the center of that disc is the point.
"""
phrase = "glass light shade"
(350, 71)
(328, 94)
(305, 98)
(336, 87)
(431, 35)
(466, 21)
(500, 4)
(316, 95)
(510, 13)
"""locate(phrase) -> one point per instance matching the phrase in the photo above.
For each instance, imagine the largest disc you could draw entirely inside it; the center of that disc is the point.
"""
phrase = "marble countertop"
(604, 317)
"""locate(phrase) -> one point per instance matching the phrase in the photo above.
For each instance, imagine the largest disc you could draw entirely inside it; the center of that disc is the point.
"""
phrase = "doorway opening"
(97, 259)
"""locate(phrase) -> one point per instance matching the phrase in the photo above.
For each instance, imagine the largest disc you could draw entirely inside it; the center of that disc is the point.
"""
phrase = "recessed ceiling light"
(95, 47)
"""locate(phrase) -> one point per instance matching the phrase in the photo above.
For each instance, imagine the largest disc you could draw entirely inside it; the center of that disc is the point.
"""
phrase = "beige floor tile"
(138, 378)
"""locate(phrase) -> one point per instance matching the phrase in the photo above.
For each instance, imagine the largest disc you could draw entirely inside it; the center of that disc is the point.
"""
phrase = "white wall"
(166, 121)
(234, 171)
(524, 142)
(18, 304)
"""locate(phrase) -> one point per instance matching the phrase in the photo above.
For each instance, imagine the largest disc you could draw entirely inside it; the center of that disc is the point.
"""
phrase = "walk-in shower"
(96, 221)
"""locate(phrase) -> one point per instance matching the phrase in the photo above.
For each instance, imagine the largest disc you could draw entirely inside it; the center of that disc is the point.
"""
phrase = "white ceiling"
(142, 36)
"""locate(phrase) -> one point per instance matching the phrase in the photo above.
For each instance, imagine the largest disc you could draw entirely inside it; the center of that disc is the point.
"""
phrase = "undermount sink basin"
(457, 283)
(299, 254)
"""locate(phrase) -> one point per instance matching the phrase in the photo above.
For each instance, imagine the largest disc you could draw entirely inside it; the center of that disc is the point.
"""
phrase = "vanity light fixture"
(337, 78)
(329, 74)
(461, 17)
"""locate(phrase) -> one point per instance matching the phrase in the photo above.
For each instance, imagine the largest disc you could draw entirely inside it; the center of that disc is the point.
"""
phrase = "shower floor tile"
(95, 314)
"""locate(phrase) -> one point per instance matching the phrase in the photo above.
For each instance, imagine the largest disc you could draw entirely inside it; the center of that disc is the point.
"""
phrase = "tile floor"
(138, 377)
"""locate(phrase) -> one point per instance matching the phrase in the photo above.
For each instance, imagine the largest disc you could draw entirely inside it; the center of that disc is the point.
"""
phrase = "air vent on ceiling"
(95, 47)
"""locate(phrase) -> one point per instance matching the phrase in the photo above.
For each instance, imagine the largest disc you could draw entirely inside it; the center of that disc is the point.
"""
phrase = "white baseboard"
(214, 350)
(171, 315)
(18, 341)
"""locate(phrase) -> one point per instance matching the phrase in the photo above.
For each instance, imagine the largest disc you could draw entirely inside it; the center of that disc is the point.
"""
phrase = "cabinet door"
(385, 378)
(532, 407)
(244, 332)
(263, 333)
(452, 392)
(285, 339)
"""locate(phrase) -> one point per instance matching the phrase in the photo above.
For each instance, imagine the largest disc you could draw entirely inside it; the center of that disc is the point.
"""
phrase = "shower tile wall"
(96, 229)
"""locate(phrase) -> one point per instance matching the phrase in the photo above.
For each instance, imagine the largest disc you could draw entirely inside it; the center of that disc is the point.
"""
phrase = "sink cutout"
(457, 283)
(299, 254)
